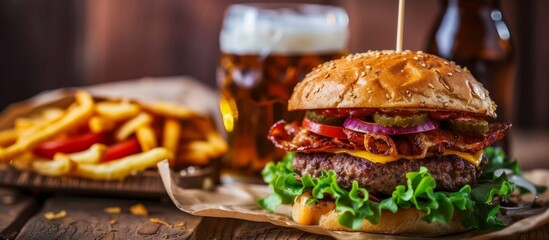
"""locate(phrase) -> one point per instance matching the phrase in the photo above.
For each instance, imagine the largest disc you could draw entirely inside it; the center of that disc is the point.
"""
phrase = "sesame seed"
(387, 96)
(423, 65)
(457, 70)
(445, 63)
(415, 58)
(449, 74)
(368, 67)
(362, 74)
(430, 86)
(408, 93)
(419, 52)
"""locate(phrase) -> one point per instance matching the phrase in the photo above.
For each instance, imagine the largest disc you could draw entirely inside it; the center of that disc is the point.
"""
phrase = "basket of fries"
(106, 139)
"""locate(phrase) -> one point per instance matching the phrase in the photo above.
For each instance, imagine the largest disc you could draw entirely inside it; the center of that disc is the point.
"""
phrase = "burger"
(391, 142)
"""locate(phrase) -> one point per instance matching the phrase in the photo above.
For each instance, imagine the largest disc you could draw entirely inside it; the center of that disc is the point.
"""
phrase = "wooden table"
(22, 217)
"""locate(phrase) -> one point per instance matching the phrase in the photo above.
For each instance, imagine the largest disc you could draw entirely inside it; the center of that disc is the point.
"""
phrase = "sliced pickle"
(472, 125)
(323, 119)
(399, 121)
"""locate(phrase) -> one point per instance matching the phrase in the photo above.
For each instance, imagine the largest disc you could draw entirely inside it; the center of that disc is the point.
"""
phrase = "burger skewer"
(400, 25)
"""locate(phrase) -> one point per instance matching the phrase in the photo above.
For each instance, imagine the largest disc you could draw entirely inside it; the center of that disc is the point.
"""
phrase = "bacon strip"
(292, 137)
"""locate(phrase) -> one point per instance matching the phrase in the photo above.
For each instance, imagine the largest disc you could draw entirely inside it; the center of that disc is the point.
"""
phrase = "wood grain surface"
(15, 209)
(223, 228)
(22, 217)
(86, 219)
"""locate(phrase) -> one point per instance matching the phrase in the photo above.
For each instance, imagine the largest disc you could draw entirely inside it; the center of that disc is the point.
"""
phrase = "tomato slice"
(70, 144)
(322, 129)
(122, 149)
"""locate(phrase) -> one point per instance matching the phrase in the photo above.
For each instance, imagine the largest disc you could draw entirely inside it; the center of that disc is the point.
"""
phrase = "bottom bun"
(404, 221)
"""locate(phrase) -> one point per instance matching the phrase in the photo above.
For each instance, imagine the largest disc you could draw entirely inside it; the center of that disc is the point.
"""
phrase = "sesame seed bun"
(392, 80)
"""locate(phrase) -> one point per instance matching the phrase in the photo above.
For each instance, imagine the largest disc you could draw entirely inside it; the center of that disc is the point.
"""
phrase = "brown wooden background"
(52, 44)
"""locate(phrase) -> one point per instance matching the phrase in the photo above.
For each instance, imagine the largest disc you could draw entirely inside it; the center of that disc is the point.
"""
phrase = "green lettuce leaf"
(497, 159)
(419, 192)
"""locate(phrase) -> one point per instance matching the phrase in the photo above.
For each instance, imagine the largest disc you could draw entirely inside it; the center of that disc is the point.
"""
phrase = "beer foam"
(250, 30)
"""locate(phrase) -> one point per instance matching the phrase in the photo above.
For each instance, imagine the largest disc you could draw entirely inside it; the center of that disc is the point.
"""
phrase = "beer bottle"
(473, 34)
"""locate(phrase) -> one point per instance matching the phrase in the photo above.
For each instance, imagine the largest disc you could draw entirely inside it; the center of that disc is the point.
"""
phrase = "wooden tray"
(146, 184)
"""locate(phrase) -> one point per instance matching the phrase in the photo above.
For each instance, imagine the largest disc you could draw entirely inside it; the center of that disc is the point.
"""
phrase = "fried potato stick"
(28, 126)
(99, 124)
(171, 110)
(117, 110)
(92, 155)
(60, 166)
(170, 140)
(7, 137)
(121, 168)
(202, 151)
(146, 138)
(129, 127)
(80, 113)
(23, 162)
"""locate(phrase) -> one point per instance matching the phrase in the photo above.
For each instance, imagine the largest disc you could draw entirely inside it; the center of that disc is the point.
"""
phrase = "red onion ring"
(358, 125)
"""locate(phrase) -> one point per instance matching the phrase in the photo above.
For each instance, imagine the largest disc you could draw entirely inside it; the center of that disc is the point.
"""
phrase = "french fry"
(26, 126)
(117, 110)
(139, 210)
(99, 124)
(22, 124)
(55, 216)
(51, 113)
(170, 140)
(23, 162)
(184, 133)
(92, 155)
(71, 118)
(58, 167)
(170, 110)
(129, 127)
(217, 143)
(146, 138)
(29, 126)
(200, 152)
(192, 154)
(121, 168)
(7, 137)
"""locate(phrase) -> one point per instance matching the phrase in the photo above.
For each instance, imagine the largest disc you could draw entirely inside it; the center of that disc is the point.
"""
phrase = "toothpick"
(400, 26)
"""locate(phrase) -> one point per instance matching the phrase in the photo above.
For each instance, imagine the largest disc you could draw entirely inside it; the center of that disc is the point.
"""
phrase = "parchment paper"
(239, 201)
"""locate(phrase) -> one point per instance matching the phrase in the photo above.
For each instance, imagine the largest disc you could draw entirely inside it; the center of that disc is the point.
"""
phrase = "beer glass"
(266, 49)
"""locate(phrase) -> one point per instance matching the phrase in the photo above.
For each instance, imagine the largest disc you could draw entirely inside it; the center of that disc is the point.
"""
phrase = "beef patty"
(450, 172)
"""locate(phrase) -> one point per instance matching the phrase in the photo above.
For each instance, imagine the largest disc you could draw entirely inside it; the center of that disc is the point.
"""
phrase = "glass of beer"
(266, 49)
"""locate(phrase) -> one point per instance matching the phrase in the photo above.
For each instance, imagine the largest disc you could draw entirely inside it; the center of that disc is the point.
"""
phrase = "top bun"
(390, 80)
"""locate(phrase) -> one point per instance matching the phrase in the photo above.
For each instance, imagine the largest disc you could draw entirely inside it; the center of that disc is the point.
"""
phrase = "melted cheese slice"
(472, 158)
